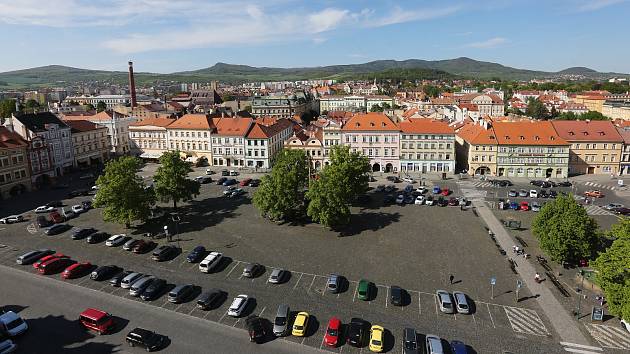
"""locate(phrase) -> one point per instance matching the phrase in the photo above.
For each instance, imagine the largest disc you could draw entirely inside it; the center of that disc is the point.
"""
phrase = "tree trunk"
(174, 204)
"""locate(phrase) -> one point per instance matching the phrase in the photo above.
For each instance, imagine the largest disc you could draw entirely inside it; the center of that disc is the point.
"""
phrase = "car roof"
(93, 313)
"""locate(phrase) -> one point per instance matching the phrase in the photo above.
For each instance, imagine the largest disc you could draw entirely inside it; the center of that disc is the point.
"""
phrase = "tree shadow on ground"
(367, 221)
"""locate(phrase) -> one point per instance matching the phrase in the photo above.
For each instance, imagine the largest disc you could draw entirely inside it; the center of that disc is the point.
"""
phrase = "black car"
(43, 221)
(144, 338)
(543, 194)
(57, 229)
(536, 183)
(393, 179)
(442, 202)
(256, 328)
(163, 253)
(357, 328)
(225, 173)
(389, 199)
(97, 237)
(87, 204)
(105, 271)
(55, 204)
(78, 234)
(396, 295)
(220, 181)
(622, 211)
(553, 194)
(153, 290)
(196, 255)
(505, 183)
(115, 280)
(564, 184)
(78, 192)
(254, 183)
(181, 293)
(209, 299)
(229, 182)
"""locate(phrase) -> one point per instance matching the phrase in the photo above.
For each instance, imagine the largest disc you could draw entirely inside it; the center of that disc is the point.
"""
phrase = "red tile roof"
(370, 122)
(83, 126)
(476, 135)
(425, 126)
(158, 122)
(10, 139)
(581, 130)
(260, 131)
(233, 126)
(527, 132)
(193, 122)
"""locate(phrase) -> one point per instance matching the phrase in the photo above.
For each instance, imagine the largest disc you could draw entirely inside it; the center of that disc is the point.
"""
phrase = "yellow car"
(376, 338)
(299, 325)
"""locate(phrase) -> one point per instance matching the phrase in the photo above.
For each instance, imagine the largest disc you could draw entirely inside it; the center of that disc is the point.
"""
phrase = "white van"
(210, 262)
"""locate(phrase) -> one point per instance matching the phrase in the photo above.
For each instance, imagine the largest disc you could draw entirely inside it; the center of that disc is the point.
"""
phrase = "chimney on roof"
(132, 86)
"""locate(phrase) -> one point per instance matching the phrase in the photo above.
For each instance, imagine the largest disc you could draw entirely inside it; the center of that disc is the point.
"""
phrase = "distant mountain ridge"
(460, 67)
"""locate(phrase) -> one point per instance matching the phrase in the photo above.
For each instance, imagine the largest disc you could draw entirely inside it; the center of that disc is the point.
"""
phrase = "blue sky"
(177, 35)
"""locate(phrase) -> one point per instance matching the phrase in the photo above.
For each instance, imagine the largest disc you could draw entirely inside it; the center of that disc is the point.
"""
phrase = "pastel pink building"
(375, 136)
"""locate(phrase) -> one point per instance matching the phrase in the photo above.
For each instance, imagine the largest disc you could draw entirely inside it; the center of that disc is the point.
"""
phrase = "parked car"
(389, 188)
(523, 193)
(86, 204)
(433, 344)
(333, 283)
(612, 206)
(376, 338)
(441, 201)
(543, 194)
(11, 219)
(300, 324)
(389, 199)
(55, 265)
(196, 254)
(393, 179)
(56, 218)
(281, 321)
(236, 193)
(357, 329)
(229, 190)
(12, 324)
(594, 194)
(129, 245)
(533, 193)
(76, 270)
(7, 345)
(80, 233)
(78, 209)
(144, 338)
(97, 237)
(225, 173)
(97, 320)
(622, 211)
(245, 182)
(419, 200)
(105, 271)
(437, 190)
(514, 205)
(410, 341)
(554, 194)
(396, 295)
(209, 299)
(444, 301)
(153, 290)
(565, 184)
(445, 192)
(140, 285)
(47, 258)
(211, 261)
(230, 182)
(221, 180)
(181, 293)
(400, 199)
(277, 276)
(33, 256)
(380, 188)
(458, 347)
(452, 201)
(44, 209)
(364, 290)
(209, 171)
(116, 280)
(57, 229)
(43, 221)
(254, 183)
(143, 246)
(524, 206)
(164, 252)
(408, 179)
(203, 179)
(429, 201)
(331, 337)
(461, 302)
(128, 281)
(535, 207)
(255, 328)
(238, 305)
(512, 193)
(233, 173)
(251, 270)
(117, 240)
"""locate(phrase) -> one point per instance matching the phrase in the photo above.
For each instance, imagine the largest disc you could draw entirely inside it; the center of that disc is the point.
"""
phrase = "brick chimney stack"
(132, 86)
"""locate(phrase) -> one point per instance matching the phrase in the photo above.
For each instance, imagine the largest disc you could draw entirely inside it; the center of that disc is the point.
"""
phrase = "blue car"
(458, 347)
(514, 205)
(436, 190)
(196, 254)
(229, 182)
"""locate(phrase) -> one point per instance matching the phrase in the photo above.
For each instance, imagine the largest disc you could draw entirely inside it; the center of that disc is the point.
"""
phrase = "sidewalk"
(564, 324)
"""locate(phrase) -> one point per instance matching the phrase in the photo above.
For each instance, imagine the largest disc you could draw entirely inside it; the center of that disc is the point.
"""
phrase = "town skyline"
(165, 38)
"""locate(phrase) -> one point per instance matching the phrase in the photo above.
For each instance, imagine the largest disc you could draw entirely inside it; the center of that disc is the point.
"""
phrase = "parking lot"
(414, 247)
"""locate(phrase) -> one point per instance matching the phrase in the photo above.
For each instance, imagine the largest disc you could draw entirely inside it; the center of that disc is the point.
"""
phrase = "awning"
(150, 155)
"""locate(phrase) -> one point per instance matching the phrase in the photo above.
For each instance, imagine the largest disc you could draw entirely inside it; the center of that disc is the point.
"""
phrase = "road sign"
(519, 284)
(493, 281)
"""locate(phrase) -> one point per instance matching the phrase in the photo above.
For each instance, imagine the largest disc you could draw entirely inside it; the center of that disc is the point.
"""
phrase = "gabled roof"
(36, 122)
(10, 139)
(477, 135)
(79, 126)
(157, 122)
(370, 122)
(425, 126)
(260, 131)
(625, 134)
(233, 126)
(527, 132)
(193, 122)
(583, 130)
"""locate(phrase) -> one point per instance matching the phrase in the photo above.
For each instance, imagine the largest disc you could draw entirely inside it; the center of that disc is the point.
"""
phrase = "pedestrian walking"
(451, 277)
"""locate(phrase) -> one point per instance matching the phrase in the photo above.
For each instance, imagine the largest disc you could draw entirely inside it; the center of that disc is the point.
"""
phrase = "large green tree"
(121, 192)
(565, 231)
(338, 184)
(281, 194)
(171, 180)
(613, 270)
(536, 109)
(101, 106)
(590, 115)
(7, 107)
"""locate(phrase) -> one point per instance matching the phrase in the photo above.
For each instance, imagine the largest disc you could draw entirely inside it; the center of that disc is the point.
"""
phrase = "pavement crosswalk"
(482, 184)
(596, 210)
(525, 321)
(580, 348)
(613, 337)
(599, 185)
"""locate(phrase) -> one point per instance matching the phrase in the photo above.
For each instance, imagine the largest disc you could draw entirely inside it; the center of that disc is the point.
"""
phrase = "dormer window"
(601, 133)
(507, 137)
(537, 137)
(371, 124)
(522, 137)
(358, 124)
(571, 133)
(585, 133)
(552, 138)
(383, 124)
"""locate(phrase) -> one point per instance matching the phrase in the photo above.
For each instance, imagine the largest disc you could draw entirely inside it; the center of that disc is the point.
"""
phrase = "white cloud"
(399, 15)
(326, 19)
(592, 5)
(490, 43)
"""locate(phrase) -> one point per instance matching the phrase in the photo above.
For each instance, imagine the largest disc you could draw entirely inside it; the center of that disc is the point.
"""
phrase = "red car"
(446, 192)
(143, 246)
(55, 265)
(97, 320)
(524, 206)
(245, 182)
(76, 270)
(594, 194)
(56, 217)
(331, 338)
(37, 264)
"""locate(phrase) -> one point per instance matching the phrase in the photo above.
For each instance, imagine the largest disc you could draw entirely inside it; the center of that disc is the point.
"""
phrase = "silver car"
(434, 344)
(461, 302)
(333, 283)
(445, 302)
(281, 322)
(127, 281)
(140, 285)
(277, 276)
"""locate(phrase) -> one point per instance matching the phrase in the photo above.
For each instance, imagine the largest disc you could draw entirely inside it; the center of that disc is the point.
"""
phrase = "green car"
(364, 289)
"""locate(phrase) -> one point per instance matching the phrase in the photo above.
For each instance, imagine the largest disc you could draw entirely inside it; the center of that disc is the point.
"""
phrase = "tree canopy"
(590, 115)
(280, 195)
(121, 192)
(337, 185)
(536, 109)
(101, 106)
(565, 231)
(7, 107)
(171, 180)
(613, 270)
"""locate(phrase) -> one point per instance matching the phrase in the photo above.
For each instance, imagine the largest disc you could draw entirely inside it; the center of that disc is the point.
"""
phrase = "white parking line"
(419, 306)
(221, 319)
(355, 292)
(235, 323)
(261, 312)
(164, 304)
(321, 345)
(309, 287)
(386, 295)
(298, 281)
(436, 306)
(193, 309)
(303, 339)
(178, 306)
(231, 270)
(83, 280)
(490, 313)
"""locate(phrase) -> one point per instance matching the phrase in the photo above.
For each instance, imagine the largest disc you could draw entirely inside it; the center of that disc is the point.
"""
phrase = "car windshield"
(376, 342)
(280, 321)
(15, 323)
(298, 327)
(332, 332)
(410, 345)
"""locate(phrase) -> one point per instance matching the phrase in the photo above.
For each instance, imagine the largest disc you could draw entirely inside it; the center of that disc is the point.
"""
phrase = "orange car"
(594, 194)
